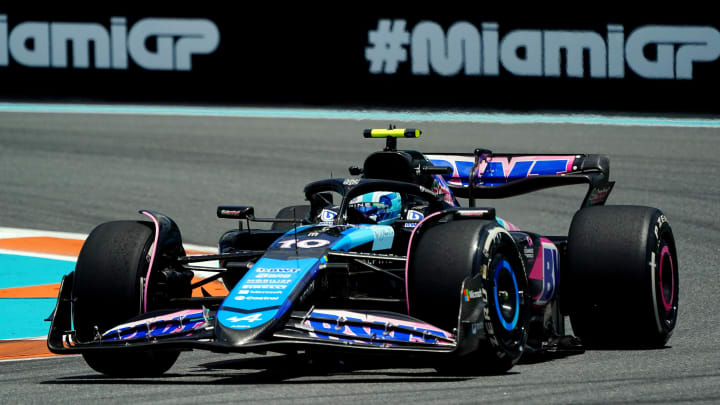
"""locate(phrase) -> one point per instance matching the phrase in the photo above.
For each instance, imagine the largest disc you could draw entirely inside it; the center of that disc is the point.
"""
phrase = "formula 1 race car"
(384, 262)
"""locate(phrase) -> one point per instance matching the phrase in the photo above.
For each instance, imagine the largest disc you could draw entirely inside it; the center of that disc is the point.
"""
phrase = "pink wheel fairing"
(152, 259)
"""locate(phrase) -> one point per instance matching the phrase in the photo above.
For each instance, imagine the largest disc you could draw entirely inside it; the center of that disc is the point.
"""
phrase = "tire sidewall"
(108, 291)
(612, 277)
(661, 252)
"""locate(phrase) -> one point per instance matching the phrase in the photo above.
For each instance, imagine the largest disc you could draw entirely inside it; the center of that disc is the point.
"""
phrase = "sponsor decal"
(661, 219)
(264, 298)
(501, 169)
(327, 216)
(264, 286)
(45, 44)
(351, 182)
(171, 324)
(276, 270)
(383, 237)
(471, 295)
(250, 318)
(504, 169)
(550, 270)
(599, 194)
(379, 330)
(267, 296)
(473, 213)
(650, 51)
(267, 281)
(413, 215)
(273, 275)
(367, 204)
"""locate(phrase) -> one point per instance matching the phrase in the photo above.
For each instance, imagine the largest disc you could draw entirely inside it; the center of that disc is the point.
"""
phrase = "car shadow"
(285, 369)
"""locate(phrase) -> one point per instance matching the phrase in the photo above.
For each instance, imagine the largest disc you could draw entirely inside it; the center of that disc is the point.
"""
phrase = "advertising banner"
(490, 60)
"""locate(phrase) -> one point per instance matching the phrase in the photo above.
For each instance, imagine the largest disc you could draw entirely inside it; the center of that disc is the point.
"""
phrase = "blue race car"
(385, 262)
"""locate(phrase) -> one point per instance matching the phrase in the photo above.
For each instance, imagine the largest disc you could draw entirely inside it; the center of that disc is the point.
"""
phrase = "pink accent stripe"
(510, 226)
(537, 271)
(152, 258)
(666, 304)
(570, 163)
(407, 258)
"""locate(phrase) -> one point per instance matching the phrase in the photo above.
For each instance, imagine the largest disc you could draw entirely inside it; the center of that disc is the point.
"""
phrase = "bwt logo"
(45, 44)
(527, 52)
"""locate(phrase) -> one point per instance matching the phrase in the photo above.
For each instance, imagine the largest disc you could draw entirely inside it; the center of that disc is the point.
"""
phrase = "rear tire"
(107, 292)
(443, 258)
(621, 279)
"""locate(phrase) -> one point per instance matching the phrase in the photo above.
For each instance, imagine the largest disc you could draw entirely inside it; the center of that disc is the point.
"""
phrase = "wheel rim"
(507, 297)
(667, 278)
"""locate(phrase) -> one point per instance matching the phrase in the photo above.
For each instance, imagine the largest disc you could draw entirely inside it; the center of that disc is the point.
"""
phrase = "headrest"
(392, 165)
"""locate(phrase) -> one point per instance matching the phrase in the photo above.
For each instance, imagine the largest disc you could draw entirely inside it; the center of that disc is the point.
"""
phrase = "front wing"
(330, 329)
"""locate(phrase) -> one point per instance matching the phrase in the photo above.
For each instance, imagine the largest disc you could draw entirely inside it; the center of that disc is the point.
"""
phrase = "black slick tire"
(107, 292)
(445, 256)
(621, 279)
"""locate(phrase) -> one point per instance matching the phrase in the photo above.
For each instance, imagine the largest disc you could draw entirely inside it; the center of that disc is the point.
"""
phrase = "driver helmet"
(380, 207)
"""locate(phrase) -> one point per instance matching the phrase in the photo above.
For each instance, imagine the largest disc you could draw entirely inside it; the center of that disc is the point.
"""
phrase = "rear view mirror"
(235, 212)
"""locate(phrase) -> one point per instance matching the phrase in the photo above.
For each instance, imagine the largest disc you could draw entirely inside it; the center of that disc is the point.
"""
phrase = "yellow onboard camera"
(391, 134)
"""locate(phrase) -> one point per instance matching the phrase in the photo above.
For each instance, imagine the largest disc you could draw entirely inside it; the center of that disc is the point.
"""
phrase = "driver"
(379, 207)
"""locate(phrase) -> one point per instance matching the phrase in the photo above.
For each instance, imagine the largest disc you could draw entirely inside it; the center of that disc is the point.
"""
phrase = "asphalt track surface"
(70, 172)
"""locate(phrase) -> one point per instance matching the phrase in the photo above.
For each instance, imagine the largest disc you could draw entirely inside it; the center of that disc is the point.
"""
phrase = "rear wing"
(488, 175)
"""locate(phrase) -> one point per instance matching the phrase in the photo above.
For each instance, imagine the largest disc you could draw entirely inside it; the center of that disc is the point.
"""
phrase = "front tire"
(622, 277)
(448, 254)
(107, 292)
